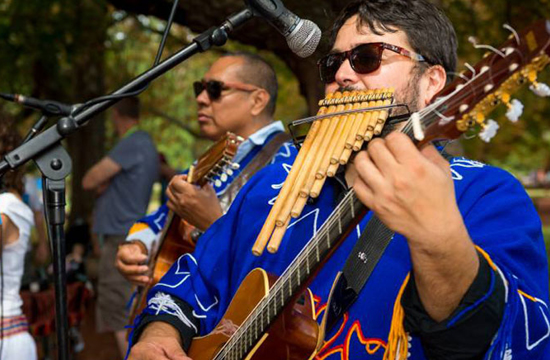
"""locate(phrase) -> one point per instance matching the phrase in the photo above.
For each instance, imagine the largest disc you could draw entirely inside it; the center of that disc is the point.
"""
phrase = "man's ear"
(433, 81)
(260, 99)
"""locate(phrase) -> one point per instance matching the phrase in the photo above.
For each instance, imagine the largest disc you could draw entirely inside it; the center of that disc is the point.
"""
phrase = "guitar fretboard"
(348, 212)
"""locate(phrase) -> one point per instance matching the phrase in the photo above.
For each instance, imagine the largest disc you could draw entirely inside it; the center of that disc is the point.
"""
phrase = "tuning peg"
(417, 127)
(540, 89)
(223, 177)
(217, 183)
(229, 172)
(515, 107)
(235, 166)
(489, 131)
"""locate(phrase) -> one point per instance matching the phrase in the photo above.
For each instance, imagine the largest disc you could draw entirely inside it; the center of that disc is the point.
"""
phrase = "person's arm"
(412, 192)
(502, 221)
(100, 174)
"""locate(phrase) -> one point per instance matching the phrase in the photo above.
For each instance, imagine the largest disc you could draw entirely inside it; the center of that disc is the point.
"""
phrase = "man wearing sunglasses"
(466, 233)
(238, 94)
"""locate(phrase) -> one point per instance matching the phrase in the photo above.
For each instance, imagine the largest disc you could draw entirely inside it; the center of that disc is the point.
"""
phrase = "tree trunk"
(86, 146)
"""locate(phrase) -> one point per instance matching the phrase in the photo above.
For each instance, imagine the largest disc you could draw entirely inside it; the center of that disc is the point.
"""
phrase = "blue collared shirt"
(258, 138)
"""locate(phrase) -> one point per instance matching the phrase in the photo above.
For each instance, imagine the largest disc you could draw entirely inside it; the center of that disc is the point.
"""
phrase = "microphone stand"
(55, 163)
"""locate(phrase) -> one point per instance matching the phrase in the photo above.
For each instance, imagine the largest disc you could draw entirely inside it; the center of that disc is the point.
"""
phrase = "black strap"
(358, 267)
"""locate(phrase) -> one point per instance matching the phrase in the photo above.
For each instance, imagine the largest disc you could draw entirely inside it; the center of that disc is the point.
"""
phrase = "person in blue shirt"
(464, 277)
(237, 94)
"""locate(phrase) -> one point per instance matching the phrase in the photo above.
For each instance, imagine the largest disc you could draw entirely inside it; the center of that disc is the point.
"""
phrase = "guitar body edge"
(292, 336)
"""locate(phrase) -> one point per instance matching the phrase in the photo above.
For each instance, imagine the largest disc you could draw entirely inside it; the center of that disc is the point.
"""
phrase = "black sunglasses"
(363, 59)
(214, 88)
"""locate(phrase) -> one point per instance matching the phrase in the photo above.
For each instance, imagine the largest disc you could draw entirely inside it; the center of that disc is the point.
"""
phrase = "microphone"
(302, 36)
(48, 107)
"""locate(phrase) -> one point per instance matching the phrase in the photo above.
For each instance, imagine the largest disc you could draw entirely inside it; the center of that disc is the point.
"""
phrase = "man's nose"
(203, 99)
(346, 76)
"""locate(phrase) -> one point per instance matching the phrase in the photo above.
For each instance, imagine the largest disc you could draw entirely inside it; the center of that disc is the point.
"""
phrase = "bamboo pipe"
(337, 142)
(305, 170)
(277, 237)
(348, 126)
(269, 224)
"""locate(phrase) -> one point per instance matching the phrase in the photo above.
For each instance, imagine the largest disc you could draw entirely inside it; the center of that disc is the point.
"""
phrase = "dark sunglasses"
(363, 59)
(214, 88)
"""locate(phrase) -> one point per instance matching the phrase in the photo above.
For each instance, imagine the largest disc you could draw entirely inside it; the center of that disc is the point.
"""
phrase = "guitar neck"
(295, 278)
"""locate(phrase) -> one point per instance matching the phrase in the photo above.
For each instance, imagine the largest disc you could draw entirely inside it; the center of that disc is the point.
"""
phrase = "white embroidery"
(179, 272)
(507, 354)
(528, 344)
(159, 219)
(284, 151)
(206, 308)
(162, 302)
(465, 163)
(315, 213)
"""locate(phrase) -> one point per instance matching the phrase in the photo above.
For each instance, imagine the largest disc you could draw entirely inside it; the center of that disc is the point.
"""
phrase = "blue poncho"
(498, 214)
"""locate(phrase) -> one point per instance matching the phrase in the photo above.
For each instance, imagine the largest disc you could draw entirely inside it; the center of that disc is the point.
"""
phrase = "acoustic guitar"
(272, 318)
(178, 237)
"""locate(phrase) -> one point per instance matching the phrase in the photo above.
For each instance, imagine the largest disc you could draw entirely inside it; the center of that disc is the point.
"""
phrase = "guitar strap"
(263, 157)
(359, 265)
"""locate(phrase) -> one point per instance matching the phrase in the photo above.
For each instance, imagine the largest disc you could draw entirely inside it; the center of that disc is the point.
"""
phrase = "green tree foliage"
(42, 43)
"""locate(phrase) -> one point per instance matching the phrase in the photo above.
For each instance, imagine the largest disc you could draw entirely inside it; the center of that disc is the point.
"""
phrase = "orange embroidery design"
(372, 345)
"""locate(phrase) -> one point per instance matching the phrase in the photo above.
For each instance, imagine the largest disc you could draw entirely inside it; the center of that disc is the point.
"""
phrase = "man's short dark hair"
(257, 71)
(128, 107)
(429, 31)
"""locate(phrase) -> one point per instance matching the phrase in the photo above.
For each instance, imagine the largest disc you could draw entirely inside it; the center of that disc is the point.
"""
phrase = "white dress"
(20, 345)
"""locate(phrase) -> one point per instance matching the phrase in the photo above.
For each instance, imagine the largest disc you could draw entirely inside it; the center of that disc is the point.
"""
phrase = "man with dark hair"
(123, 181)
(465, 274)
(238, 94)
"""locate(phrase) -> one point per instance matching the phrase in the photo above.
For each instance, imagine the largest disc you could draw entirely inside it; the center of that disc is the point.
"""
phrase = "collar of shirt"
(257, 139)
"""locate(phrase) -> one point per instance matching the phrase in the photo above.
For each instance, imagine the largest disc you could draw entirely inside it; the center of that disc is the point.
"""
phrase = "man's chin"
(211, 133)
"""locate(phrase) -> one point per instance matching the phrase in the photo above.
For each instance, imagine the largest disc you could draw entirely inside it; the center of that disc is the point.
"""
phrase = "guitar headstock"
(216, 159)
(463, 104)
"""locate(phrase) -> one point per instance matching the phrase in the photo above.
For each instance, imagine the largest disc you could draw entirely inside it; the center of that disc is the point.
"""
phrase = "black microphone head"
(304, 38)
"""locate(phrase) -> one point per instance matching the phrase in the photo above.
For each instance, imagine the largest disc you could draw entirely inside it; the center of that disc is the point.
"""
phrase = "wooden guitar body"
(293, 336)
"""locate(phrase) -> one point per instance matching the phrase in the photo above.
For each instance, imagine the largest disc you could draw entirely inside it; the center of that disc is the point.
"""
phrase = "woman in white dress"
(17, 220)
